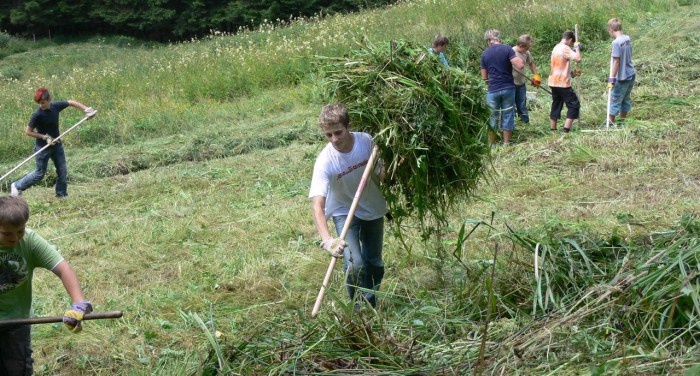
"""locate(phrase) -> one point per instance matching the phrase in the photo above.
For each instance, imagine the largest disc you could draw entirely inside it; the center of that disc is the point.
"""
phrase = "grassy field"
(188, 207)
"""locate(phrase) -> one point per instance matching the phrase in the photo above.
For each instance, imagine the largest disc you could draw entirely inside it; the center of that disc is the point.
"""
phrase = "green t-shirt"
(16, 271)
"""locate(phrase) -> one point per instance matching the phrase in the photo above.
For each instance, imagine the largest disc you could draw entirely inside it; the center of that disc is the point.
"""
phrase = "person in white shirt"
(336, 177)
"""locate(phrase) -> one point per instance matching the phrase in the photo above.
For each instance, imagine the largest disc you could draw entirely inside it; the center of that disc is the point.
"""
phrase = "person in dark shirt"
(43, 125)
(497, 64)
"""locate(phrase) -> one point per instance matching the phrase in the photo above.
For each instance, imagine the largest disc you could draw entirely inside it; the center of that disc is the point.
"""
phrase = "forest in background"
(158, 20)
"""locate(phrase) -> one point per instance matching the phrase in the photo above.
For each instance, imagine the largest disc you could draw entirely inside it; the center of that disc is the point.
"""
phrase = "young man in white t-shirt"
(336, 177)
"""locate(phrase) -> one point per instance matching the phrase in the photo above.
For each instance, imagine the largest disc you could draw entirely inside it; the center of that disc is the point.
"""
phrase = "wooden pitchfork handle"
(54, 319)
(368, 169)
(578, 78)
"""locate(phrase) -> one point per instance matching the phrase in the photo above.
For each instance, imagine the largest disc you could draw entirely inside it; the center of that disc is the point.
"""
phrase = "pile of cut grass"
(428, 120)
(639, 309)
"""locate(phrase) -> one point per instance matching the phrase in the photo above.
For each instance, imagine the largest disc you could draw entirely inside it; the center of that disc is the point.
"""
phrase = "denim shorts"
(620, 97)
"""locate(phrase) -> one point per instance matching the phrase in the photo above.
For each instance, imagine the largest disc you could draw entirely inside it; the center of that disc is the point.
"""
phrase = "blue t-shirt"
(46, 121)
(441, 56)
(622, 48)
(496, 61)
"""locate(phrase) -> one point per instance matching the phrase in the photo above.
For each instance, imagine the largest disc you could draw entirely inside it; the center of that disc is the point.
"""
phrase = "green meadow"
(188, 206)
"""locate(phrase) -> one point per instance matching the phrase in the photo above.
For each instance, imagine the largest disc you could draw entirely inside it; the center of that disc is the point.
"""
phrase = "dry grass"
(229, 237)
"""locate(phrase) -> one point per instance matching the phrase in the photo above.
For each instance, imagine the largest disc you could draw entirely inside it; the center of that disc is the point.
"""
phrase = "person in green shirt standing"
(21, 251)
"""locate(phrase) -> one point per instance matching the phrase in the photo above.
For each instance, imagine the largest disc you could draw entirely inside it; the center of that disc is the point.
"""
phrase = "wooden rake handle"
(363, 182)
(55, 319)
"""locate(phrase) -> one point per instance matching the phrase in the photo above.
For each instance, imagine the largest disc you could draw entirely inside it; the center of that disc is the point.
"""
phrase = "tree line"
(159, 20)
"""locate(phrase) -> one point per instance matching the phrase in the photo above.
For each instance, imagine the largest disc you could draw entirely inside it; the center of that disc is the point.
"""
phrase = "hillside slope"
(201, 213)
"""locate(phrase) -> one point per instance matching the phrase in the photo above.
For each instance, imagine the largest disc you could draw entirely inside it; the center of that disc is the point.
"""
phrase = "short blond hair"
(525, 40)
(13, 211)
(492, 34)
(332, 114)
(615, 24)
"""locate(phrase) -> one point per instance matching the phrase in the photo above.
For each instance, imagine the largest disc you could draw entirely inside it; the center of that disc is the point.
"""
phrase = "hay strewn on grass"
(428, 120)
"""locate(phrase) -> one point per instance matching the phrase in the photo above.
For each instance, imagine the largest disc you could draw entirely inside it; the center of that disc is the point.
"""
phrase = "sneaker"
(14, 192)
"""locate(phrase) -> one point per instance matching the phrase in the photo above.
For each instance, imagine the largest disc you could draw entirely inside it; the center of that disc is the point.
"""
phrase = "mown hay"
(428, 120)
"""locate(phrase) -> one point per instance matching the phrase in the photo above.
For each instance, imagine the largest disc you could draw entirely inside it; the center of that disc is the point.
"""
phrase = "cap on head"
(41, 94)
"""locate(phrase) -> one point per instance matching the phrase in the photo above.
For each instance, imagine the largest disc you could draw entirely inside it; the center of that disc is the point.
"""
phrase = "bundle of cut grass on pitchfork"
(428, 120)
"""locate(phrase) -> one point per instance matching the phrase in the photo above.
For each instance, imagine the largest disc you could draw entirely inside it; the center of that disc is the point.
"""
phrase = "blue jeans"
(502, 105)
(363, 265)
(58, 156)
(620, 98)
(521, 102)
(16, 351)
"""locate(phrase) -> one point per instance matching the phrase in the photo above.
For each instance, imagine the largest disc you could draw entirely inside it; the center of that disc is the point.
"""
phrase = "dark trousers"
(561, 95)
(16, 351)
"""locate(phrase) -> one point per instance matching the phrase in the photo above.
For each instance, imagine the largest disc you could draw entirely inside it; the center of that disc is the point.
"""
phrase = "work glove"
(536, 80)
(334, 246)
(611, 82)
(73, 317)
(49, 140)
(577, 46)
(576, 72)
(90, 112)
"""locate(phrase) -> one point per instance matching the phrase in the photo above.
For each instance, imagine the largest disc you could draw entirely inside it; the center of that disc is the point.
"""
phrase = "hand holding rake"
(346, 227)
(56, 319)
(88, 115)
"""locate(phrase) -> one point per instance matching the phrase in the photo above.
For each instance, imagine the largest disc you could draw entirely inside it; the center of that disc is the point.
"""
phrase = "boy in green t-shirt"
(21, 251)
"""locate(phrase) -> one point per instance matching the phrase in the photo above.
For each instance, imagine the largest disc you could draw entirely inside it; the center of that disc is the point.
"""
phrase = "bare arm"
(77, 104)
(577, 56)
(533, 68)
(31, 133)
(70, 281)
(318, 205)
(484, 74)
(517, 63)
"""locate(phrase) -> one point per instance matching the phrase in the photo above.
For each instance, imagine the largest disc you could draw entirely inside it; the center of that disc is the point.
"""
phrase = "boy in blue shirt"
(621, 80)
(439, 46)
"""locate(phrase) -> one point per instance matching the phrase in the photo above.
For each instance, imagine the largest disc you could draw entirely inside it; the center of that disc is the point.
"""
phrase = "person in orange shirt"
(560, 81)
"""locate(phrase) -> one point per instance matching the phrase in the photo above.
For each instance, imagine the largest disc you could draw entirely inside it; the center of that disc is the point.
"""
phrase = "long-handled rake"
(55, 319)
(48, 145)
(607, 116)
(346, 227)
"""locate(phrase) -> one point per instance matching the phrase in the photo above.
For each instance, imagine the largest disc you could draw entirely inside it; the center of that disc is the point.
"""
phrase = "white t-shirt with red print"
(337, 175)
